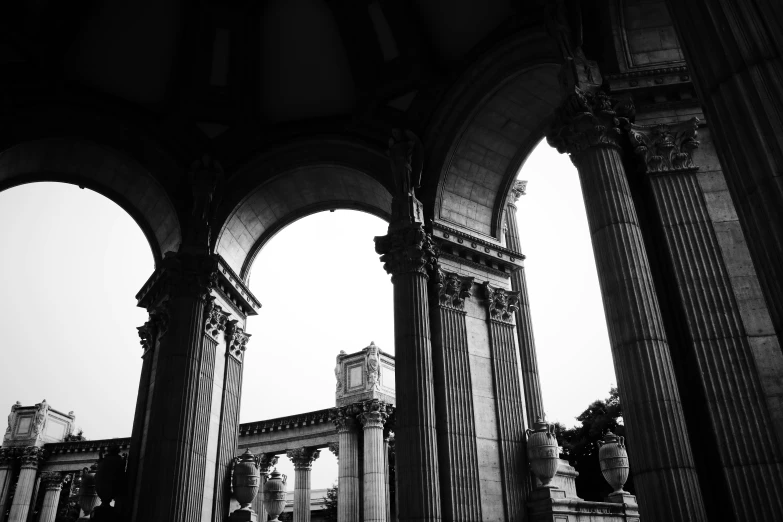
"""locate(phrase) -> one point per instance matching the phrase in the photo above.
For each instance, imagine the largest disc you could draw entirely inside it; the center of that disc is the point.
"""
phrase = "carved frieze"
(452, 288)
(236, 339)
(665, 147)
(589, 119)
(303, 458)
(408, 249)
(501, 303)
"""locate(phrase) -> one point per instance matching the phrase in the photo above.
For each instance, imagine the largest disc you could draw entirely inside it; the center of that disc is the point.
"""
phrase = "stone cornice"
(501, 303)
(85, 446)
(464, 248)
(303, 458)
(665, 148)
(282, 423)
(452, 288)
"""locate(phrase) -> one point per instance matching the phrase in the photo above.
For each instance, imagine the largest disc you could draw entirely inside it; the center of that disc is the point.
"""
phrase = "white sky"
(72, 261)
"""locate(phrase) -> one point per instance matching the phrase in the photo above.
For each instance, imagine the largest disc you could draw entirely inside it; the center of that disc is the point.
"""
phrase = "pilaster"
(29, 459)
(52, 483)
(457, 450)
(303, 459)
(587, 127)
(349, 483)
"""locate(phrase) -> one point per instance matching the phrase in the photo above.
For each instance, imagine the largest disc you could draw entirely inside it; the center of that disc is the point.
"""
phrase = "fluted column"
(747, 452)
(266, 461)
(52, 483)
(660, 454)
(509, 402)
(457, 450)
(407, 253)
(7, 456)
(734, 51)
(373, 418)
(387, 493)
(348, 490)
(303, 459)
(25, 484)
(534, 403)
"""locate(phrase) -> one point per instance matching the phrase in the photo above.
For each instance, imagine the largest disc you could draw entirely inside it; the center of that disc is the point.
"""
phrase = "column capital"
(334, 447)
(518, 189)
(664, 147)
(215, 319)
(52, 480)
(7, 456)
(408, 249)
(501, 303)
(303, 458)
(374, 413)
(589, 119)
(453, 288)
(266, 461)
(236, 339)
(31, 456)
(344, 418)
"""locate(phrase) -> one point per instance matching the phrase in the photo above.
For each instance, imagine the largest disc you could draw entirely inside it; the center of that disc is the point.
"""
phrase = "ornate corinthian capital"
(518, 189)
(7, 456)
(374, 413)
(588, 119)
(215, 319)
(303, 458)
(406, 250)
(344, 418)
(31, 456)
(52, 480)
(453, 288)
(501, 303)
(236, 339)
(665, 147)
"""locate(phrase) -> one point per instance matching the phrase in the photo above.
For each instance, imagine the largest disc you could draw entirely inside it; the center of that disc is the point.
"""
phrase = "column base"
(243, 515)
(546, 493)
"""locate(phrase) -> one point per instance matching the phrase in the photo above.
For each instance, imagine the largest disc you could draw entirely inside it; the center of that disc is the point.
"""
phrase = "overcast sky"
(72, 262)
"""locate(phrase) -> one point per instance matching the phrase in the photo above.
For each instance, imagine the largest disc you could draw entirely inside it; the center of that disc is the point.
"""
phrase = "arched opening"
(73, 261)
(323, 290)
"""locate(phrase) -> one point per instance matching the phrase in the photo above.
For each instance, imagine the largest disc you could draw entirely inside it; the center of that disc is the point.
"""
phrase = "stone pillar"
(7, 456)
(386, 473)
(534, 403)
(52, 482)
(746, 453)
(373, 418)
(457, 450)
(735, 55)
(265, 463)
(586, 127)
(20, 506)
(303, 459)
(509, 402)
(348, 483)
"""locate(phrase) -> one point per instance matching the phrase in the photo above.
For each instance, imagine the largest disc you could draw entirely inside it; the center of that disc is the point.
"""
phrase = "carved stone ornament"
(31, 456)
(338, 374)
(518, 189)
(190, 275)
(407, 250)
(406, 154)
(7, 456)
(501, 303)
(665, 147)
(334, 447)
(373, 364)
(452, 288)
(215, 319)
(39, 421)
(303, 458)
(52, 480)
(344, 418)
(205, 176)
(236, 339)
(12, 420)
(374, 413)
(587, 120)
(266, 461)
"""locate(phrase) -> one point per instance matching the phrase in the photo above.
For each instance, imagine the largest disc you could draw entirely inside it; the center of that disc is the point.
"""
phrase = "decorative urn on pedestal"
(274, 495)
(88, 495)
(614, 461)
(109, 483)
(245, 480)
(542, 451)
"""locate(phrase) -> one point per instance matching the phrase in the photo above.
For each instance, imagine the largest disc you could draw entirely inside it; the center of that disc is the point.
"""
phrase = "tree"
(330, 504)
(580, 445)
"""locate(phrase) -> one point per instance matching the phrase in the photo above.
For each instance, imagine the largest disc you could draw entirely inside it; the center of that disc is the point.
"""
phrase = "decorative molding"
(589, 119)
(518, 189)
(236, 339)
(344, 418)
(501, 303)
(463, 248)
(452, 288)
(303, 458)
(87, 446)
(374, 413)
(215, 319)
(7, 456)
(266, 461)
(409, 249)
(180, 274)
(31, 456)
(283, 423)
(665, 147)
(52, 480)
(649, 72)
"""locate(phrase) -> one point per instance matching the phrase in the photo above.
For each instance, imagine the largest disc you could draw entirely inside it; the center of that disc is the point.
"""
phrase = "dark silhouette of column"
(534, 403)
(457, 451)
(348, 480)
(587, 127)
(734, 51)
(303, 459)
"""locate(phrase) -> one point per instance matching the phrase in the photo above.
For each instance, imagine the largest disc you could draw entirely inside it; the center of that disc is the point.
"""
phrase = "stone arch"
(496, 113)
(104, 170)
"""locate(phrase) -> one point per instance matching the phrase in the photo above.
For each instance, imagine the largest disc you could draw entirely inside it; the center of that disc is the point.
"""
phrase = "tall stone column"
(457, 449)
(7, 456)
(407, 253)
(373, 418)
(387, 492)
(265, 464)
(348, 482)
(734, 52)
(509, 402)
(534, 403)
(20, 506)
(303, 459)
(587, 127)
(52, 483)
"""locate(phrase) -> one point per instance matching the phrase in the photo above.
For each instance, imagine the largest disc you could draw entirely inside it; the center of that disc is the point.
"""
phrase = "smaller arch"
(289, 197)
(104, 170)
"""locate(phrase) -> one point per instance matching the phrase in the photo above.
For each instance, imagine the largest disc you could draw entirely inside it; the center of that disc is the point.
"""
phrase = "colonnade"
(30, 483)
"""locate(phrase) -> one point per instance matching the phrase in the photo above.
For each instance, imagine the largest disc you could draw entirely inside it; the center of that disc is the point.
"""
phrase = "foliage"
(580, 445)
(330, 504)
(71, 437)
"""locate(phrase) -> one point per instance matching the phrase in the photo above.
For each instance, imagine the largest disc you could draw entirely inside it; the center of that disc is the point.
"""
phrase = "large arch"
(104, 170)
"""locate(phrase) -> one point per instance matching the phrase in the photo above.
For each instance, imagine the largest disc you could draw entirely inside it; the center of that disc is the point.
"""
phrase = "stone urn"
(245, 479)
(88, 495)
(109, 482)
(542, 451)
(274, 495)
(614, 461)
